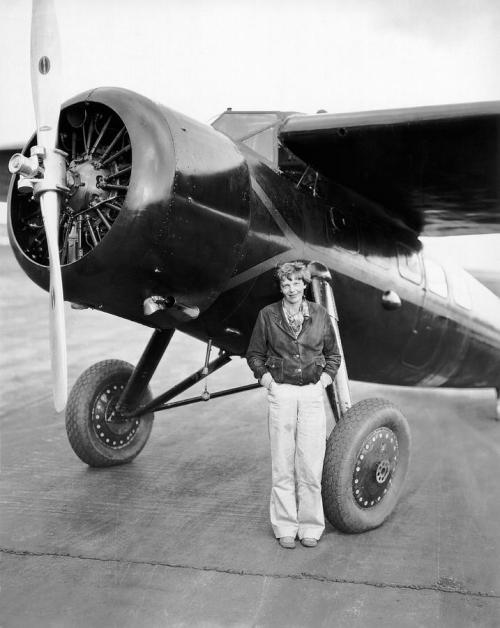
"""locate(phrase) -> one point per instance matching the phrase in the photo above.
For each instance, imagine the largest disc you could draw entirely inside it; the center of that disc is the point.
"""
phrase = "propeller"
(46, 87)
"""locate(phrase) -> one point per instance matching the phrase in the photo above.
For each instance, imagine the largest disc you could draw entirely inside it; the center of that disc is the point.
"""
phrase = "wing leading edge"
(435, 168)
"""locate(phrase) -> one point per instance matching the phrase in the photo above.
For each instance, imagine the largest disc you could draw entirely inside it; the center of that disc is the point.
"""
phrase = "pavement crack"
(438, 587)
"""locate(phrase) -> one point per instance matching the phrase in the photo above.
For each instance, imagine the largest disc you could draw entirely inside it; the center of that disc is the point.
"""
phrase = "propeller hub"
(83, 180)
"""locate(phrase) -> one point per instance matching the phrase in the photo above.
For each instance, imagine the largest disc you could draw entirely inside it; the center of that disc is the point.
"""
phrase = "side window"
(460, 289)
(409, 265)
(436, 278)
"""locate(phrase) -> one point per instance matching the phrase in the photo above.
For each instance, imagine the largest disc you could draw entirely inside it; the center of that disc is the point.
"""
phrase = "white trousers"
(297, 432)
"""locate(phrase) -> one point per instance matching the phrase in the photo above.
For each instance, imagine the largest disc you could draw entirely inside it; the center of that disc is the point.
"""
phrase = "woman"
(293, 353)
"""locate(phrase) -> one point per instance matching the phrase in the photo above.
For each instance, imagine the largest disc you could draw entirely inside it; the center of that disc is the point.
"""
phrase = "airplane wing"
(435, 168)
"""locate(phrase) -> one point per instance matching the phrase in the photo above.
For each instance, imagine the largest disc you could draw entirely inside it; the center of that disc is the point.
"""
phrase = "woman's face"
(292, 289)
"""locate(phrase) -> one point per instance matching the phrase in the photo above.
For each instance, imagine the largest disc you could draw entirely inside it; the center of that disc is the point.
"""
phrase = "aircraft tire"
(366, 462)
(96, 440)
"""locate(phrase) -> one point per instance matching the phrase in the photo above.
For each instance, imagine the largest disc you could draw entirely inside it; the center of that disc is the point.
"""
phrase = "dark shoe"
(308, 542)
(288, 542)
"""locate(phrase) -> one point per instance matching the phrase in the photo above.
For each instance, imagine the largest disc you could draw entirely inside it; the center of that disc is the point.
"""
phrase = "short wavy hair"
(289, 269)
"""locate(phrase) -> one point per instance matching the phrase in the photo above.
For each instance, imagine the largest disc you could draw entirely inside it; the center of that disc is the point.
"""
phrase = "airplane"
(123, 205)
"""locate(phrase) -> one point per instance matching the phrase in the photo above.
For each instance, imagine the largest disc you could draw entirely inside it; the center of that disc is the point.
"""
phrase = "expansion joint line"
(256, 574)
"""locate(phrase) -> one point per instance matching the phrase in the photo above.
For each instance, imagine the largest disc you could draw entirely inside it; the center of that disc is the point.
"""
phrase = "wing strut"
(323, 294)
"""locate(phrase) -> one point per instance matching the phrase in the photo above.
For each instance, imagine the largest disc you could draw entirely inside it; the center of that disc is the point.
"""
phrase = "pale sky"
(200, 57)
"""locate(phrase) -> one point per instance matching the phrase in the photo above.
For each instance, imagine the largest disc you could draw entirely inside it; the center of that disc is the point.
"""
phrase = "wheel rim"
(109, 427)
(374, 469)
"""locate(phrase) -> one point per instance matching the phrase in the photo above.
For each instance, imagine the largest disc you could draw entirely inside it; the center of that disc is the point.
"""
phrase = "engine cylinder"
(158, 204)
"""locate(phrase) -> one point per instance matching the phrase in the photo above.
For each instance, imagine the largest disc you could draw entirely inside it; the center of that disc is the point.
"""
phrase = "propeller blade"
(50, 211)
(46, 87)
(45, 71)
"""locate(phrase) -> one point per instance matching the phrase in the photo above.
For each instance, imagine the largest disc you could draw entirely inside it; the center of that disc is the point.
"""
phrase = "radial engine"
(154, 214)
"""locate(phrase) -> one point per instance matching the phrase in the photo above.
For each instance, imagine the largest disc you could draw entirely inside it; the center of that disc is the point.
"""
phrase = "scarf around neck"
(295, 321)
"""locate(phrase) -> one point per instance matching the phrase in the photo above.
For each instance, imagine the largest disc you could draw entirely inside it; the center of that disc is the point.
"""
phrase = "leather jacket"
(274, 348)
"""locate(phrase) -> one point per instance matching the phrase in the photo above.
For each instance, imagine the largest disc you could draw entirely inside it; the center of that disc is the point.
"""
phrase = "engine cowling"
(158, 207)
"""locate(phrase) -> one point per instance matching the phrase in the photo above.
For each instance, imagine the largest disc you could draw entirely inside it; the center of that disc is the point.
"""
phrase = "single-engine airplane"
(128, 207)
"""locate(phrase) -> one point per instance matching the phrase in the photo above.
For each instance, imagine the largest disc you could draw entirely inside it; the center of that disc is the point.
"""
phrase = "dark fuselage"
(444, 333)
(206, 219)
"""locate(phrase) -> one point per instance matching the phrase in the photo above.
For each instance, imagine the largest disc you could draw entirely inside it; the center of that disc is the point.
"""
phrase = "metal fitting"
(54, 173)
(156, 303)
(25, 185)
(25, 166)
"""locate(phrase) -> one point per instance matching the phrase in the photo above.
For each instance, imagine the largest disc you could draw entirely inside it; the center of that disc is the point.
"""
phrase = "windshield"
(241, 125)
(255, 130)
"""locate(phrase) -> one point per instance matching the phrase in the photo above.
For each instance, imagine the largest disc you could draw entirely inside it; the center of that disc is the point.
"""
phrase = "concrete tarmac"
(181, 536)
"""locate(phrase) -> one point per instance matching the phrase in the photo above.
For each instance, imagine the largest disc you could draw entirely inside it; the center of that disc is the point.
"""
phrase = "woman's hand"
(325, 379)
(266, 380)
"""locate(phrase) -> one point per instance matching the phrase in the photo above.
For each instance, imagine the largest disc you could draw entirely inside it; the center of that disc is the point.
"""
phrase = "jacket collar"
(277, 313)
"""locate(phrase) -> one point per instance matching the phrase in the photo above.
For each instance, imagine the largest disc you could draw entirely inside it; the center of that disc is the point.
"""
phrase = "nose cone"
(151, 193)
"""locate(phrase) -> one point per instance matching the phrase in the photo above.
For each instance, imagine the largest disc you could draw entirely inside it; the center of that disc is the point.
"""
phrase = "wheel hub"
(375, 465)
(383, 471)
(110, 428)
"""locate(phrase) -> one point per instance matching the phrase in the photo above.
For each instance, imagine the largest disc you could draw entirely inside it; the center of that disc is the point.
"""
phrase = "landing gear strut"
(368, 451)
(110, 415)
(110, 408)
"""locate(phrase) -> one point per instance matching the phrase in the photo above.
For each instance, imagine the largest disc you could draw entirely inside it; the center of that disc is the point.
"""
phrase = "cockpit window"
(239, 126)
(257, 130)
(436, 278)
(263, 143)
(460, 288)
(409, 265)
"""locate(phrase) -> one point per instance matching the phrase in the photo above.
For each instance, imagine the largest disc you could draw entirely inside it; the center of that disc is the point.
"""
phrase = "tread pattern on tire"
(340, 507)
(83, 443)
